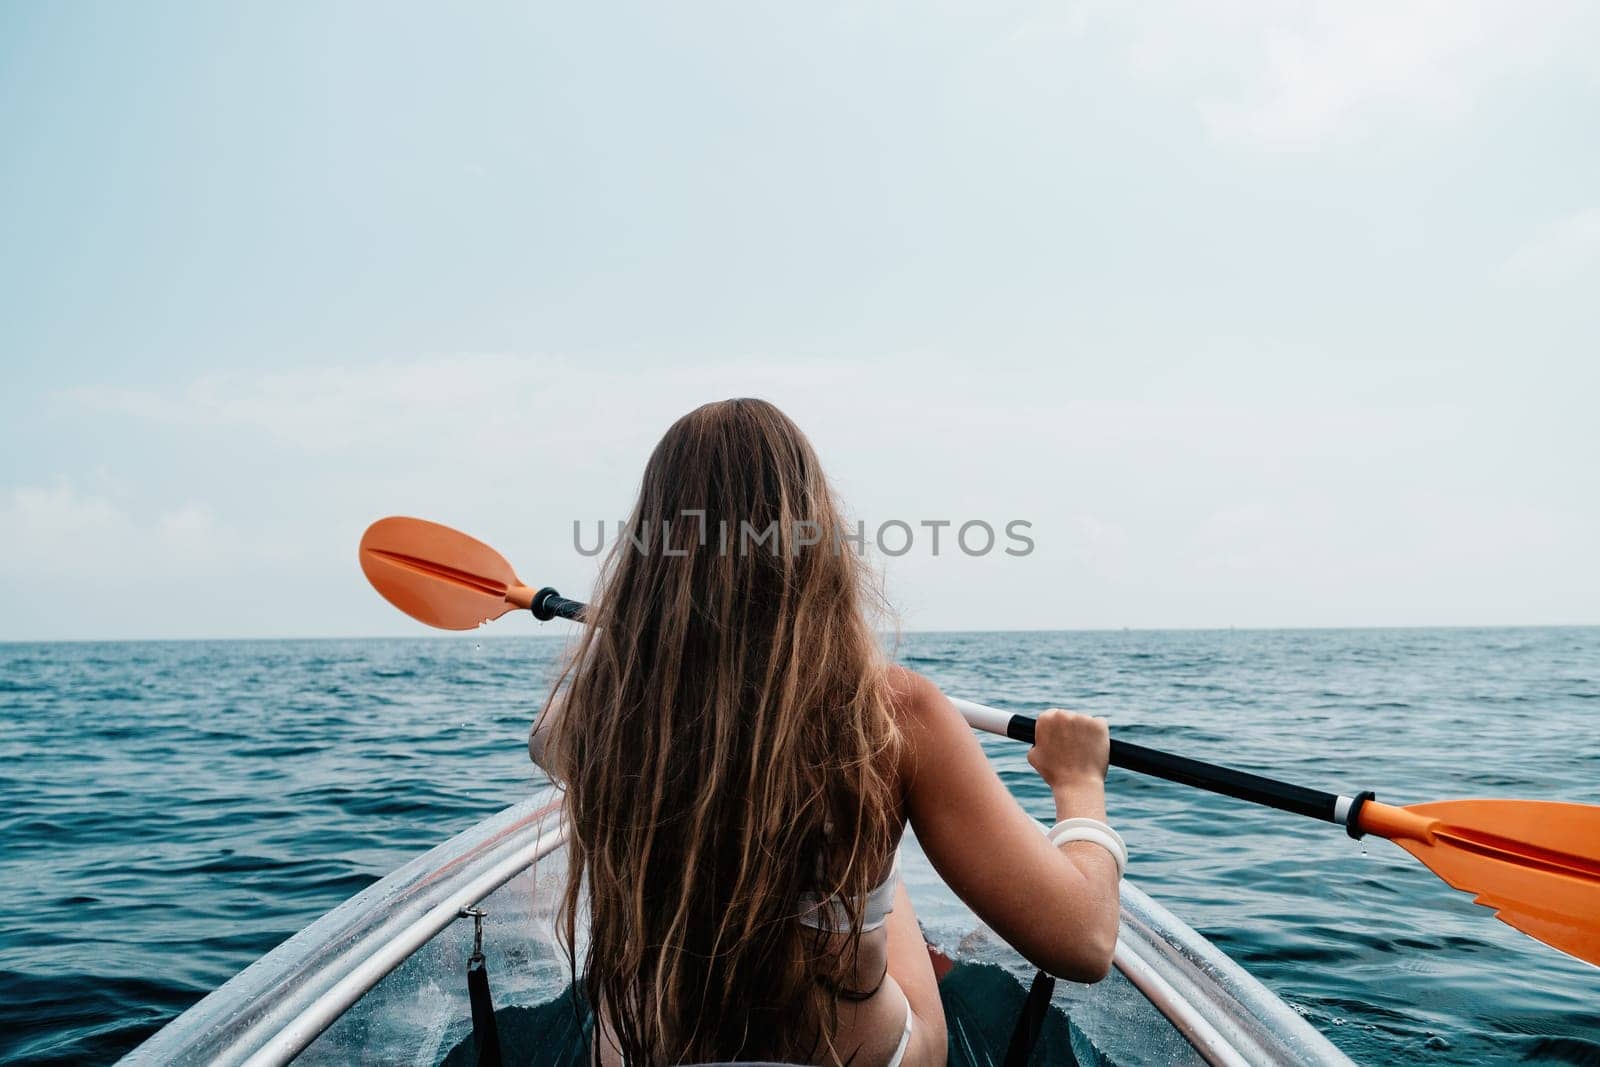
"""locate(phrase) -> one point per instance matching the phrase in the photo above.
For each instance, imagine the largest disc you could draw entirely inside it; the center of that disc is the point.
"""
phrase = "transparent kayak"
(382, 978)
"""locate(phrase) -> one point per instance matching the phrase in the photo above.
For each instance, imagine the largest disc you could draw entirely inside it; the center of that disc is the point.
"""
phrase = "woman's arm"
(540, 732)
(1058, 907)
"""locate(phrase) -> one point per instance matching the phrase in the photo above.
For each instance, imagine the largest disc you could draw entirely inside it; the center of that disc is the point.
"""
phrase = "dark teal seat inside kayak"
(981, 1002)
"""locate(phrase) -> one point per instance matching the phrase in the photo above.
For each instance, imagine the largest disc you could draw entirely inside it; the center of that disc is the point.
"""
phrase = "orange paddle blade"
(1536, 863)
(438, 575)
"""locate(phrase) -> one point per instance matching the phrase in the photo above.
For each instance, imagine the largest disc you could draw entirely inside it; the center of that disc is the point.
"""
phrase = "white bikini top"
(831, 915)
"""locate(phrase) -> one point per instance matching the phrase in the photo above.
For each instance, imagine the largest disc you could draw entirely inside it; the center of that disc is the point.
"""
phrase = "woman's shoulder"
(916, 702)
(910, 691)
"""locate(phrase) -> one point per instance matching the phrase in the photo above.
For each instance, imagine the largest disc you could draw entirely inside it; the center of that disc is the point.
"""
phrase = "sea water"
(171, 811)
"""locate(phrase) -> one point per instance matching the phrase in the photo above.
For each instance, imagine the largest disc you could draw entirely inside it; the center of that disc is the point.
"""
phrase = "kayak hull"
(382, 977)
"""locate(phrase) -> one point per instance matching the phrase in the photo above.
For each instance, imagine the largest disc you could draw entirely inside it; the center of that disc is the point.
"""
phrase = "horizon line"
(439, 635)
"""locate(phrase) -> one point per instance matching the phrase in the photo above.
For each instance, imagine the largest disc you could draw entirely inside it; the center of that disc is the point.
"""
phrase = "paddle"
(1536, 863)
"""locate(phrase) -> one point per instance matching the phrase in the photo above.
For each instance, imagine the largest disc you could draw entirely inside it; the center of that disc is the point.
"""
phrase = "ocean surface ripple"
(170, 811)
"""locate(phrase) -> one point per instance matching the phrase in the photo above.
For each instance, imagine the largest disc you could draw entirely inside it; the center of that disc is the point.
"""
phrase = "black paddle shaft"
(549, 604)
(1225, 780)
(1241, 785)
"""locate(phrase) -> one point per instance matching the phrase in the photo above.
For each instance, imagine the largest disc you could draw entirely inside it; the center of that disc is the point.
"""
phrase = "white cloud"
(317, 409)
(1347, 60)
(1558, 252)
(1290, 74)
(1236, 487)
(56, 532)
(59, 531)
(457, 405)
(77, 563)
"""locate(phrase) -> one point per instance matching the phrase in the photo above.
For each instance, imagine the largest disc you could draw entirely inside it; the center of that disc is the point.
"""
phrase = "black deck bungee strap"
(1030, 1020)
(485, 1033)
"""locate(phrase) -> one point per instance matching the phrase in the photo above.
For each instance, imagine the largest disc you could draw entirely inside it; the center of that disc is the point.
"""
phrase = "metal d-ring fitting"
(476, 915)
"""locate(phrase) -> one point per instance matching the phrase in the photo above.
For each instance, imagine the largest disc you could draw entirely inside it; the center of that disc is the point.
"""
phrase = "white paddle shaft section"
(982, 717)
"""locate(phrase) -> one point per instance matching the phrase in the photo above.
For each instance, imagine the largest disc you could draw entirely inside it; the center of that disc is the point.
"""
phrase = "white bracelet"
(1082, 829)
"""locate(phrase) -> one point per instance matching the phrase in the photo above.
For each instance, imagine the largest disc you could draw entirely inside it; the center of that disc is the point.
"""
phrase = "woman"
(740, 761)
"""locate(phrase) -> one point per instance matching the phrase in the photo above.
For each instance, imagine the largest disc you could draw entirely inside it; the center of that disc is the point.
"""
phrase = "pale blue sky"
(1264, 314)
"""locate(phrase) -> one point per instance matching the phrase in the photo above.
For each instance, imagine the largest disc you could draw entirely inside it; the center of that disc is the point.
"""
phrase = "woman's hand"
(1070, 749)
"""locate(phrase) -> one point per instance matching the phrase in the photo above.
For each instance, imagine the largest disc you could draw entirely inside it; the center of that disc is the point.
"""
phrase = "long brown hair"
(726, 746)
